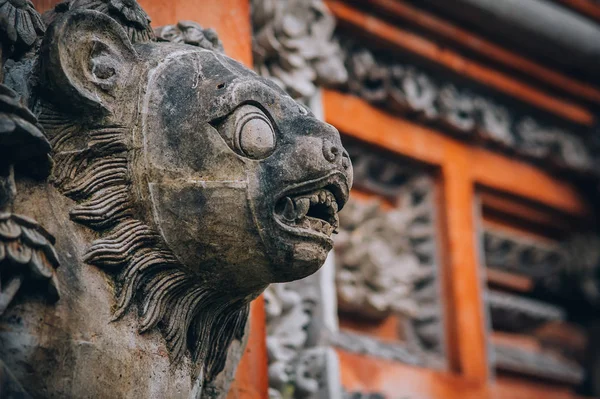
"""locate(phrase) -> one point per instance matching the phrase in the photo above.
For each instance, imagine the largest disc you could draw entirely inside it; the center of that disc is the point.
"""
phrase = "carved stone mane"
(189, 313)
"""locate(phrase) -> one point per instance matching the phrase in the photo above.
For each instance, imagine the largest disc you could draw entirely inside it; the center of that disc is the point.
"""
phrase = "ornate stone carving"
(553, 144)
(416, 93)
(293, 45)
(387, 260)
(564, 268)
(288, 315)
(299, 324)
(194, 180)
(557, 353)
(579, 273)
(535, 258)
(377, 267)
(190, 32)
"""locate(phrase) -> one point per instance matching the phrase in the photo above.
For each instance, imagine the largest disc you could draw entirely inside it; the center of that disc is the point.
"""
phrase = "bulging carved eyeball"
(249, 132)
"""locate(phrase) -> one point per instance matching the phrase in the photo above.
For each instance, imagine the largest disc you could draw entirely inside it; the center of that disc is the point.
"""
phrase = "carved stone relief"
(535, 258)
(182, 177)
(411, 90)
(386, 260)
(556, 266)
(566, 269)
(293, 45)
(300, 321)
(190, 32)
(293, 308)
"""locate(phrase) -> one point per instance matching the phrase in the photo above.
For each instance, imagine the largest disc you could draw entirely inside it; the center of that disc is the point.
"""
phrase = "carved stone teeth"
(314, 199)
(330, 209)
(302, 207)
(334, 206)
(322, 196)
(289, 213)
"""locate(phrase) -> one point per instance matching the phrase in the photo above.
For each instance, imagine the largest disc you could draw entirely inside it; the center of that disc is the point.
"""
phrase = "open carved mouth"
(312, 211)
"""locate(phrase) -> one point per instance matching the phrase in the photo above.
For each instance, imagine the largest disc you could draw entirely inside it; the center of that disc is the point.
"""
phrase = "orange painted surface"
(356, 118)
(508, 281)
(525, 342)
(517, 231)
(398, 381)
(429, 50)
(460, 259)
(497, 206)
(230, 18)
(44, 5)
(252, 379)
(466, 39)
(386, 329)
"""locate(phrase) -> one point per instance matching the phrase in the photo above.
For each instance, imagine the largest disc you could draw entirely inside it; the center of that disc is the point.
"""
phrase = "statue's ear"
(86, 59)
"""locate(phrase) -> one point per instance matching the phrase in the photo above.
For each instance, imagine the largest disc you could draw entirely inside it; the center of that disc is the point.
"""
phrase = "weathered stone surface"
(183, 185)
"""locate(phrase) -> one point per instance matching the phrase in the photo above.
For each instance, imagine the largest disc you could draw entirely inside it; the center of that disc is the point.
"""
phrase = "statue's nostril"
(330, 151)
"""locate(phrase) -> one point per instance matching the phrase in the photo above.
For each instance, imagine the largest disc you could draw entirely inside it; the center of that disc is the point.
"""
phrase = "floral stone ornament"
(183, 185)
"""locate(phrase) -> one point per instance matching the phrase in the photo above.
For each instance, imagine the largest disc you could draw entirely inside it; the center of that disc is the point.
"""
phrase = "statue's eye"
(249, 132)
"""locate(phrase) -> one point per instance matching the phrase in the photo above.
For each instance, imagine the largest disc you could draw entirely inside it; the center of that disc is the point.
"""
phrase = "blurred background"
(467, 263)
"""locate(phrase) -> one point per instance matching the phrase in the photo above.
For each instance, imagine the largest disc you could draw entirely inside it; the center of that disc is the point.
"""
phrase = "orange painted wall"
(230, 18)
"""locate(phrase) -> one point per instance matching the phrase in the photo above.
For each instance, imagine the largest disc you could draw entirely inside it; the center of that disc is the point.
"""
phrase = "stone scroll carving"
(293, 45)
(182, 186)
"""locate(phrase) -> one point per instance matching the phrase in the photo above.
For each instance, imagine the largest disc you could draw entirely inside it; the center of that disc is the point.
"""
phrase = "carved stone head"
(204, 182)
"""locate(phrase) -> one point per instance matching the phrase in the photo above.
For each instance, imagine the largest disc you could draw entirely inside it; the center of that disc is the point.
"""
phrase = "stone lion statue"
(182, 185)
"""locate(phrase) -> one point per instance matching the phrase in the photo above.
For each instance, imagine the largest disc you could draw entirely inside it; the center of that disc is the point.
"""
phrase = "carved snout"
(335, 153)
